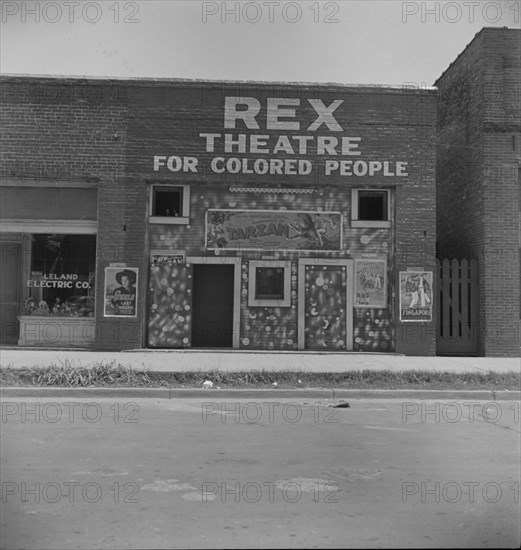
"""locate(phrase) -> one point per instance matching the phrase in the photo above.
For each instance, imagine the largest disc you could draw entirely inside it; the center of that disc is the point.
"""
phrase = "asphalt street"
(233, 473)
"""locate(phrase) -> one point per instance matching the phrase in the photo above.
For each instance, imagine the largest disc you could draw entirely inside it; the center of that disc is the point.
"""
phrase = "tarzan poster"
(273, 229)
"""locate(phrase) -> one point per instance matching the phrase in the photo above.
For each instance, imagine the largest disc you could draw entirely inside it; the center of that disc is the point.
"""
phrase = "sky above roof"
(345, 41)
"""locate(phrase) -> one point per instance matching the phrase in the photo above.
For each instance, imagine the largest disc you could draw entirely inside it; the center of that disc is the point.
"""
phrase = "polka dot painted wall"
(275, 328)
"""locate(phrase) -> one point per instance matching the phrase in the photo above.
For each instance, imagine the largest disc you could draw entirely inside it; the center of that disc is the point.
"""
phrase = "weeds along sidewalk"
(115, 375)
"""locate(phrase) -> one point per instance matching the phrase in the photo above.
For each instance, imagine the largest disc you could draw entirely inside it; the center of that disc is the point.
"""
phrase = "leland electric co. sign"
(293, 148)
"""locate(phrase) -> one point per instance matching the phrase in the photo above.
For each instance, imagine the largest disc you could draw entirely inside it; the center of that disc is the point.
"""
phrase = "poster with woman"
(370, 283)
(416, 296)
(120, 292)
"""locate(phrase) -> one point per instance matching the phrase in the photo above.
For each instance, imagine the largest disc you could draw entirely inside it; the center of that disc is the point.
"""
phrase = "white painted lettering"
(210, 141)
(275, 112)
(349, 144)
(284, 145)
(231, 114)
(229, 143)
(326, 145)
(325, 115)
(158, 162)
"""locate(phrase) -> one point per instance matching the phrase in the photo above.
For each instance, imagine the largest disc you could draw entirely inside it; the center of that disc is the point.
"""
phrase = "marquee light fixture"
(271, 190)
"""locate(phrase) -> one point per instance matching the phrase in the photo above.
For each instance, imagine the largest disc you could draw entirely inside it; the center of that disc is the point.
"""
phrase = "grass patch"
(117, 375)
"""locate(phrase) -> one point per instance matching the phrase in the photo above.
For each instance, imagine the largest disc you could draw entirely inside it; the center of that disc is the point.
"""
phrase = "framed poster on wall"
(120, 292)
(370, 283)
(416, 296)
(273, 230)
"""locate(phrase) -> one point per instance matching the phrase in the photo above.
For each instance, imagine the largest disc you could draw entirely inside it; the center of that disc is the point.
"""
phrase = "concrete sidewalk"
(230, 361)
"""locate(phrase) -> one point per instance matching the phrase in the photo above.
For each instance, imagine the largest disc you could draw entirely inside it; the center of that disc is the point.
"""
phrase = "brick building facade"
(173, 214)
(478, 182)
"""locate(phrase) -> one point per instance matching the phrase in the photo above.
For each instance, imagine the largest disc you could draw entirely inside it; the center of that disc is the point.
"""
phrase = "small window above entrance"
(169, 204)
(370, 208)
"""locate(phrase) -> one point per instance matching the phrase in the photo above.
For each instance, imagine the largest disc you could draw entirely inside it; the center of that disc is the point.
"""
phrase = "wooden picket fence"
(458, 316)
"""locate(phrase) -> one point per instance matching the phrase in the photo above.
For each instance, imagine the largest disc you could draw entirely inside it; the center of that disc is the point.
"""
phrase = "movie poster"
(416, 296)
(273, 229)
(370, 283)
(120, 291)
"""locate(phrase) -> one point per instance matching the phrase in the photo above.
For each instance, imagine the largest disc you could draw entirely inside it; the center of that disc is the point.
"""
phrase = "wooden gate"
(458, 318)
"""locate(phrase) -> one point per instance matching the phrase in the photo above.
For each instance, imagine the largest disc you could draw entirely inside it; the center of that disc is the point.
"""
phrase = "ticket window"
(167, 201)
(269, 284)
(169, 204)
(60, 280)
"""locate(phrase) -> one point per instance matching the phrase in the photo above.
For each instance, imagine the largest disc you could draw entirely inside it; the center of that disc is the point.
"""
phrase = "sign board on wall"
(263, 136)
(53, 280)
(120, 294)
(370, 283)
(169, 258)
(273, 230)
(416, 296)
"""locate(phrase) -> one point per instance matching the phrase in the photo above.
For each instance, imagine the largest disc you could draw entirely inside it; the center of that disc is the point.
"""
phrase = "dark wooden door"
(212, 306)
(10, 287)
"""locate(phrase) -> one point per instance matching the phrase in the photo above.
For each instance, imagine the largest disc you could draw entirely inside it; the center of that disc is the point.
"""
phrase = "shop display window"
(61, 276)
(169, 204)
(269, 283)
(371, 208)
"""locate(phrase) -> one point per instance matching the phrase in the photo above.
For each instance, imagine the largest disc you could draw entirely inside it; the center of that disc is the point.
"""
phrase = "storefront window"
(61, 278)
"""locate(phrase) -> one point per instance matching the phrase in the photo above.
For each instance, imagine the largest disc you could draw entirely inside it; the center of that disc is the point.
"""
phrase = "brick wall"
(478, 178)
(75, 131)
(108, 131)
(395, 125)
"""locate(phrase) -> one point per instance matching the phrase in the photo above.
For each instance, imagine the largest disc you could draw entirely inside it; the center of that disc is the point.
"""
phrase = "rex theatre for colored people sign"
(268, 137)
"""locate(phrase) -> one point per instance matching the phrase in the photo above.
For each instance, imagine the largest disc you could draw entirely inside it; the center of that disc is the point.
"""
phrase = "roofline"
(502, 29)
(144, 81)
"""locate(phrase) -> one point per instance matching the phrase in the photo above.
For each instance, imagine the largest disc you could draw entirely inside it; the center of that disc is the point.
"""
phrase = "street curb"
(319, 393)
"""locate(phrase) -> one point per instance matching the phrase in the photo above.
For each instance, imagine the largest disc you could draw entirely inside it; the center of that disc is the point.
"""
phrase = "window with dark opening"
(167, 201)
(372, 205)
(269, 283)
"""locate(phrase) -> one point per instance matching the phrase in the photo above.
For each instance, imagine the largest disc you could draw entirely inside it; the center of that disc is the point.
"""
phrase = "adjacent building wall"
(478, 159)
